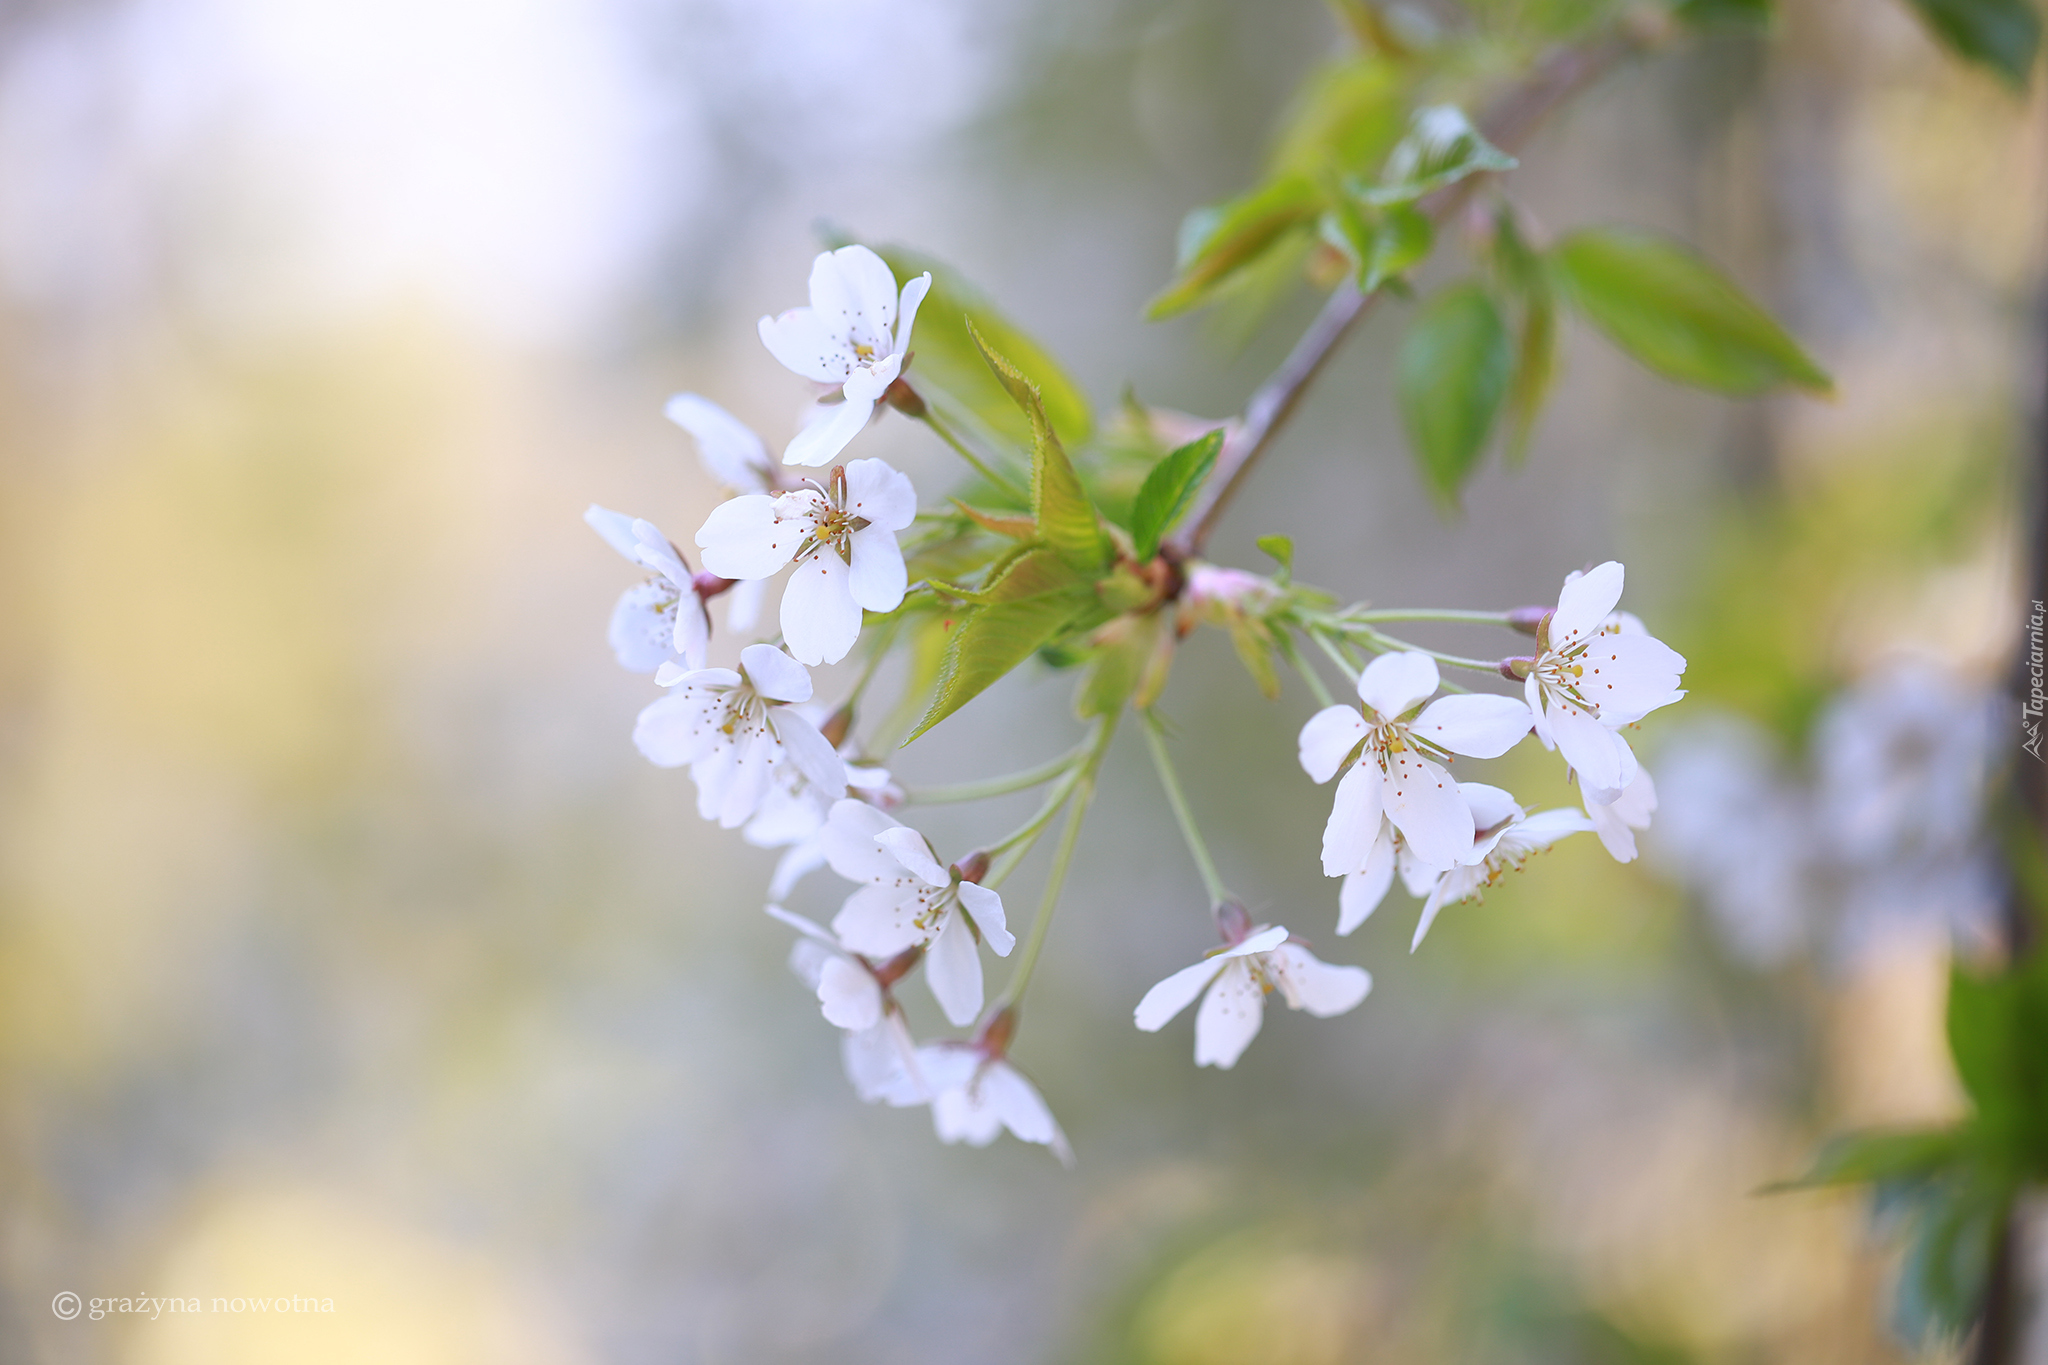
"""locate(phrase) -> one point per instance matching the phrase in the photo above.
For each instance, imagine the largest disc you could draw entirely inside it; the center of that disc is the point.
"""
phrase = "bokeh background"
(349, 950)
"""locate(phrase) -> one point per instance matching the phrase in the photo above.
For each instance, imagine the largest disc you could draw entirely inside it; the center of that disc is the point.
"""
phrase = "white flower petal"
(849, 995)
(730, 450)
(1532, 695)
(878, 922)
(820, 619)
(1328, 739)
(881, 1063)
(1629, 676)
(820, 442)
(1354, 821)
(959, 1115)
(1418, 877)
(1394, 684)
(807, 959)
(1583, 604)
(1424, 805)
(909, 848)
(868, 383)
(1017, 1103)
(747, 537)
(1230, 1016)
(1490, 806)
(800, 860)
(616, 528)
(642, 631)
(1367, 887)
(1456, 885)
(1602, 759)
(692, 635)
(881, 494)
(680, 726)
(713, 774)
(878, 576)
(1174, 994)
(803, 924)
(1323, 989)
(854, 292)
(1477, 725)
(1264, 939)
(774, 674)
(803, 342)
(754, 757)
(906, 315)
(953, 970)
(986, 909)
(849, 840)
(1617, 821)
(810, 751)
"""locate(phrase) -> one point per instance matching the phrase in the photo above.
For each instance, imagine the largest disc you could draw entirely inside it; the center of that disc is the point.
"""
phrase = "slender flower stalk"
(945, 433)
(996, 786)
(1083, 792)
(1155, 739)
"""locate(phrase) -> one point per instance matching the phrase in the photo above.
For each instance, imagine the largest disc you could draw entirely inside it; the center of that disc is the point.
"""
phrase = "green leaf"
(1870, 1157)
(1677, 314)
(1281, 548)
(1441, 147)
(1169, 490)
(1451, 378)
(1382, 244)
(1344, 121)
(991, 640)
(945, 356)
(2000, 34)
(1066, 518)
(1725, 16)
(1535, 367)
(1996, 1031)
(1218, 242)
(1133, 655)
(1014, 528)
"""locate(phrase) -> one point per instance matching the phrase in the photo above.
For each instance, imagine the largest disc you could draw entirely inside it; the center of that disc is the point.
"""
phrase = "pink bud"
(973, 867)
(1528, 619)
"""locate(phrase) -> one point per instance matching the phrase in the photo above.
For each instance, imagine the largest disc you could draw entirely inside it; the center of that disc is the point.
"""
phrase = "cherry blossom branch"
(1480, 618)
(997, 786)
(1507, 124)
(1155, 739)
(1083, 793)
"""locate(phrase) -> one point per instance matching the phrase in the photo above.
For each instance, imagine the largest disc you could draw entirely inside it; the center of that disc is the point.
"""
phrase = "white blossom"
(1904, 760)
(1617, 821)
(791, 816)
(853, 994)
(909, 899)
(733, 729)
(975, 1092)
(1237, 979)
(844, 337)
(1396, 774)
(1505, 837)
(661, 620)
(1597, 672)
(738, 459)
(841, 536)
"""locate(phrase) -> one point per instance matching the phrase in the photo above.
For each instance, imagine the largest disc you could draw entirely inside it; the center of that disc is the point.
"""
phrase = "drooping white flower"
(1397, 774)
(975, 1092)
(910, 899)
(1503, 840)
(792, 815)
(1598, 671)
(1617, 821)
(844, 337)
(854, 995)
(732, 454)
(1237, 979)
(842, 537)
(734, 729)
(661, 620)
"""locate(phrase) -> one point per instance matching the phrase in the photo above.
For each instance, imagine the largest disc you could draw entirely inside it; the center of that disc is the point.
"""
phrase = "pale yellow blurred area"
(358, 1288)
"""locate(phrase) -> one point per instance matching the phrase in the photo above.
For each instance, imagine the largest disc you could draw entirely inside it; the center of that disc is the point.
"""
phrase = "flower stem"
(1285, 641)
(1337, 656)
(1175, 797)
(1478, 618)
(1380, 640)
(1083, 792)
(960, 447)
(996, 786)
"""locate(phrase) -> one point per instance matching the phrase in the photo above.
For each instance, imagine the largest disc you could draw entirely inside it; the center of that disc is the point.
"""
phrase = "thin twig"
(1508, 124)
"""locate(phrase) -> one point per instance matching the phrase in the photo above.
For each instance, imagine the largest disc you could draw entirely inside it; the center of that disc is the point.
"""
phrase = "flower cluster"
(1062, 581)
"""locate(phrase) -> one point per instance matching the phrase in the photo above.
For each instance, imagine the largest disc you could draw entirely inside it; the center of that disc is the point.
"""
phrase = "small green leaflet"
(1218, 242)
(1996, 1031)
(1868, 1157)
(1440, 148)
(992, 640)
(1281, 548)
(2001, 34)
(1169, 490)
(1066, 518)
(1678, 315)
(1451, 378)
(1382, 244)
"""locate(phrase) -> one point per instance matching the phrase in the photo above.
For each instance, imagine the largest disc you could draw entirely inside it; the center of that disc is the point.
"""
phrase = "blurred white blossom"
(855, 334)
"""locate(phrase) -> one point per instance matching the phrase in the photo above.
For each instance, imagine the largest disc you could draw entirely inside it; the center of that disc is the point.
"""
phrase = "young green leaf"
(1066, 518)
(991, 640)
(1870, 1157)
(1451, 378)
(1382, 244)
(946, 356)
(2000, 34)
(1169, 490)
(1677, 314)
(1440, 148)
(1996, 1028)
(1218, 242)
(1281, 548)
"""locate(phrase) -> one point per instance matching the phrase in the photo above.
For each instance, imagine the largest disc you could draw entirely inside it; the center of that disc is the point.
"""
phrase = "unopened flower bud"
(1233, 921)
(836, 725)
(1518, 668)
(973, 867)
(1528, 620)
(900, 396)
